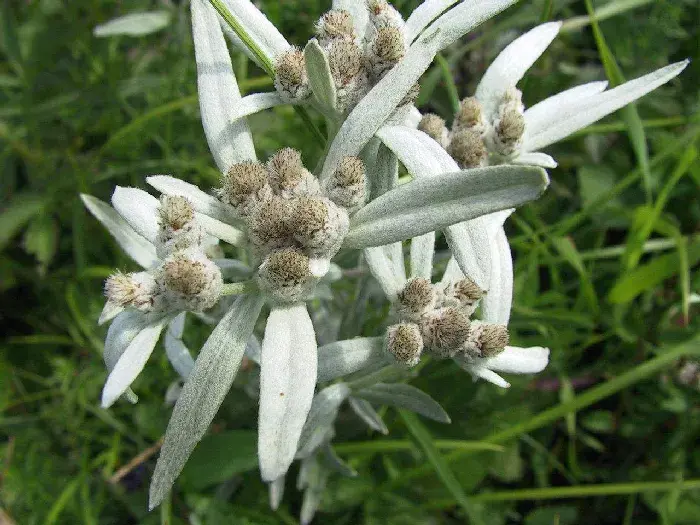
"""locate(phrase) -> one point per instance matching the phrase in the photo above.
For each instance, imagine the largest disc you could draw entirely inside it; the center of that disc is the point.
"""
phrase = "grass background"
(606, 271)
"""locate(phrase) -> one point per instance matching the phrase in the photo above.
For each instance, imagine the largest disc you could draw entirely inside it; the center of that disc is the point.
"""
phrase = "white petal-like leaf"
(595, 107)
(135, 245)
(109, 312)
(496, 304)
(452, 273)
(263, 32)
(176, 327)
(319, 73)
(131, 362)
(276, 492)
(423, 15)
(359, 13)
(139, 209)
(470, 243)
(423, 157)
(515, 360)
(535, 159)
(334, 463)
(464, 17)
(422, 249)
(215, 368)
(404, 396)
(425, 205)
(134, 24)
(488, 375)
(228, 137)
(324, 410)
(383, 269)
(287, 380)
(220, 230)
(540, 116)
(345, 357)
(178, 355)
(125, 327)
(511, 64)
(368, 414)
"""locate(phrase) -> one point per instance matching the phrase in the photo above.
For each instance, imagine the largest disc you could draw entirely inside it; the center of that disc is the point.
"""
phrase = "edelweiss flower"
(295, 223)
(436, 319)
(493, 127)
(166, 239)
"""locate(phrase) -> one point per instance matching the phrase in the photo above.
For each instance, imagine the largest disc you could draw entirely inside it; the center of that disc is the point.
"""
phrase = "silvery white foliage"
(207, 385)
(133, 334)
(510, 359)
(558, 116)
(430, 204)
(404, 396)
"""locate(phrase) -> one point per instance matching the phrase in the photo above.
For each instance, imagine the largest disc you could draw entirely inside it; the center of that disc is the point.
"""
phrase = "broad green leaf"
(134, 24)
(652, 274)
(16, 213)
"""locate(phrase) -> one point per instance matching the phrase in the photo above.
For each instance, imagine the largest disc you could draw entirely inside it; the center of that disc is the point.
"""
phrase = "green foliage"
(606, 271)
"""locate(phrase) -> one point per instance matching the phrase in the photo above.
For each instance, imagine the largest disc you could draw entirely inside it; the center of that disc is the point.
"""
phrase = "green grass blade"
(442, 469)
(593, 395)
(630, 115)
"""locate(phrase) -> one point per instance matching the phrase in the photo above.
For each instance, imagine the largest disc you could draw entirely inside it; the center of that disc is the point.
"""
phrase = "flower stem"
(238, 288)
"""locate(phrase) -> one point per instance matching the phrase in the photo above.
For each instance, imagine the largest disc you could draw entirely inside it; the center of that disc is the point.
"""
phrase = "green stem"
(238, 288)
(264, 61)
(449, 82)
(580, 491)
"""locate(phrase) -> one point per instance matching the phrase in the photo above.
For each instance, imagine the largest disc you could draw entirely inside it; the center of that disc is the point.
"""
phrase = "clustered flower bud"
(356, 64)
(191, 280)
(137, 290)
(486, 340)
(178, 228)
(347, 186)
(405, 342)
(285, 275)
(336, 23)
(347, 64)
(416, 298)
(441, 316)
(185, 279)
(435, 128)
(445, 330)
(244, 186)
(468, 149)
(293, 225)
(288, 176)
(291, 80)
(477, 139)
(385, 51)
(508, 126)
